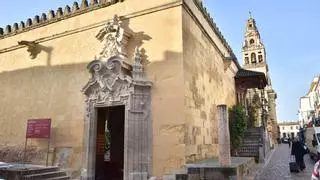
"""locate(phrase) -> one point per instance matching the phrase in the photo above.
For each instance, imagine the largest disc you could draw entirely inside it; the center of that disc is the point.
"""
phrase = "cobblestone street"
(277, 167)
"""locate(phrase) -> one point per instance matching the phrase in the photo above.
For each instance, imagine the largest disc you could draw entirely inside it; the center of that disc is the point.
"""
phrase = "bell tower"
(253, 50)
(255, 59)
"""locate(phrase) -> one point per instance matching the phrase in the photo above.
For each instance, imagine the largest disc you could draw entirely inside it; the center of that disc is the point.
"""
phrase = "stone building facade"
(254, 58)
(152, 71)
(289, 129)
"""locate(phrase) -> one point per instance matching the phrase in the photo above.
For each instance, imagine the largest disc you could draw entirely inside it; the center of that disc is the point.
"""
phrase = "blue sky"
(289, 29)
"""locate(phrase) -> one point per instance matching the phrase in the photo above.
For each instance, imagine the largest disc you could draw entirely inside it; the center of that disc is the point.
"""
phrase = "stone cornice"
(52, 17)
(257, 65)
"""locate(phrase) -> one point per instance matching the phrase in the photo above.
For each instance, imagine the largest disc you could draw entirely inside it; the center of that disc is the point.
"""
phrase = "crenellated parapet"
(214, 26)
(54, 16)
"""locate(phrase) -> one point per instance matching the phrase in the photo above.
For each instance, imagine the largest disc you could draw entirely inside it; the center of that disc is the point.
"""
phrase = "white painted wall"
(305, 110)
(288, 129)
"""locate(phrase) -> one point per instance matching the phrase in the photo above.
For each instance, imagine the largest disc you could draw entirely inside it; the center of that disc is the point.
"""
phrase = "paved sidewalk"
(277, 167)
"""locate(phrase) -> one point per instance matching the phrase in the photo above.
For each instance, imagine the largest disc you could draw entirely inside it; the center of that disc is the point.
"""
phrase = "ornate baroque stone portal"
(112, 85)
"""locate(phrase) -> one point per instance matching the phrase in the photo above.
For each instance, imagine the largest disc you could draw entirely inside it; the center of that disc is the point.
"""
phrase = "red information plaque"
(38, 128)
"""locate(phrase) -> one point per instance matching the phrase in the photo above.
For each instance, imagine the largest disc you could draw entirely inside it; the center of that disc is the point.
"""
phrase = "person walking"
(298, 151)
(289, 141)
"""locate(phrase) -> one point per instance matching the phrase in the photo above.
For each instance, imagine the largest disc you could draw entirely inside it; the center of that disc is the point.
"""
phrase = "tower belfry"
(253, 50)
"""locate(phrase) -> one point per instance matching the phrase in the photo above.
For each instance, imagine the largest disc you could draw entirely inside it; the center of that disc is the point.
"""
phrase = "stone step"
(40, 170)
(248, 154)
(59, 178)
(251, 139)
(251, 144)
(45, 175)
(253, 130)
(252, 133)
(248, 149)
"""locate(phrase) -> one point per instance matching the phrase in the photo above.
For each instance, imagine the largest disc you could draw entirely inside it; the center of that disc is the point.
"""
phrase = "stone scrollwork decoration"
(108, 82)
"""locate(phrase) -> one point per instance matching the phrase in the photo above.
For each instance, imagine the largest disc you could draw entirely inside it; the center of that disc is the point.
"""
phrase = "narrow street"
(277, 167)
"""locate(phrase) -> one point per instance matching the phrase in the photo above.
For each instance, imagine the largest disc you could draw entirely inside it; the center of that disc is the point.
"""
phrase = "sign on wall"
(38, 128)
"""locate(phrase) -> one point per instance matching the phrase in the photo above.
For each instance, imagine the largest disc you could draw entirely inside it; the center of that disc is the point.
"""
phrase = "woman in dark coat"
(298, 151)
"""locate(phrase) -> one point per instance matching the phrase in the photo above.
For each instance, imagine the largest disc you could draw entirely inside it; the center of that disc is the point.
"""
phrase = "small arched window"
(251, 41)
(253, 58)
(246, 60)
(260, 58)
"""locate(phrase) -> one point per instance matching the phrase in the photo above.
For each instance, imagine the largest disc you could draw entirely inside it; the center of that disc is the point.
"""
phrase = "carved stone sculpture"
(114, 38)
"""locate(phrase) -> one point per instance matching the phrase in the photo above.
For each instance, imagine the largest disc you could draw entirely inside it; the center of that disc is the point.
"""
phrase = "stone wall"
(49, 85)
(184, 54)
(209, 81)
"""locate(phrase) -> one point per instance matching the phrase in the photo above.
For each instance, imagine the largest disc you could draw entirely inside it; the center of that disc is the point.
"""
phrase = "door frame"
(111, 86)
